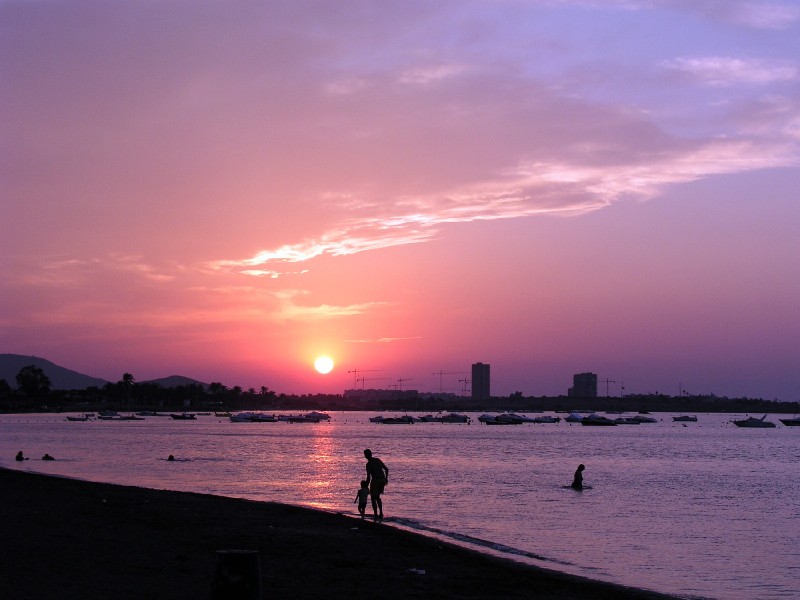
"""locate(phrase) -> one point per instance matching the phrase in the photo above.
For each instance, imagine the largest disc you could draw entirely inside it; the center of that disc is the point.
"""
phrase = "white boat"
(598, 420)
(298, 419)
(503, 419)
(448, 418)
(242, 417)
(81, 418)
(262, 418)
(546, 419)
(627, 421)
(404, 420)
(319, 416)
(643, 419)
(753, 422)
(574, 418)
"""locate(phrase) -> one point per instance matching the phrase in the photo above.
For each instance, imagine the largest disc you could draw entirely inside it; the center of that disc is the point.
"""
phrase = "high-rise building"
(584, 385)
(480, 381)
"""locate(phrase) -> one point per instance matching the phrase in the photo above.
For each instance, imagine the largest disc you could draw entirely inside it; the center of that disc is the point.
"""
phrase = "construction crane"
(465, 381)
(400, 383)
(440, 373)
(355, 373)
(607, 381)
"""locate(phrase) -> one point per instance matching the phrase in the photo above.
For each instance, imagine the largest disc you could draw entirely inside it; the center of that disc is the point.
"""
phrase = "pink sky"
(228, 190)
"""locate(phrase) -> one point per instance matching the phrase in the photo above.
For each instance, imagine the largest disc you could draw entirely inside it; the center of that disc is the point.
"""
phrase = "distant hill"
(176, 381)
(60, 378)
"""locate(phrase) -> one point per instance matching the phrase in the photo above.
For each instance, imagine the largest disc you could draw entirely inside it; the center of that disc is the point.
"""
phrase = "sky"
(229, 190)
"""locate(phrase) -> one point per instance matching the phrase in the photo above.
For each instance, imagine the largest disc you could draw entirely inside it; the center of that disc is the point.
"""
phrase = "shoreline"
(81, 539)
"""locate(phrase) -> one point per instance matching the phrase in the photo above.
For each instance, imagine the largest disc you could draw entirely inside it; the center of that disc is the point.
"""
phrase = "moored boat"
(546, 419)
(319, 416)
(298, 418)
(793, 422)
(404, 420)
(753, 422)
(595, 420)
(262, 418)
(685, 418)
(641, 418)
(448, 418)
(183, 417)
(81, 418)
(503, 419)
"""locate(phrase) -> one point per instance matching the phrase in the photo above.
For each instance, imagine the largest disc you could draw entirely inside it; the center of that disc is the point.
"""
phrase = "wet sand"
(66, 539)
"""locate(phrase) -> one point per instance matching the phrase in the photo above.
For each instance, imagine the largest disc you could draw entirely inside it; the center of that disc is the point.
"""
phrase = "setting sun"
(324, 364)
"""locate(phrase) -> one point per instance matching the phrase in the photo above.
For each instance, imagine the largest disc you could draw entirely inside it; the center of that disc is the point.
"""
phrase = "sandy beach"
(65, 538)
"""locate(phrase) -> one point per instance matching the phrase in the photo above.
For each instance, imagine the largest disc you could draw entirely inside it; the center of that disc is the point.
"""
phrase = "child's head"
(364, 483)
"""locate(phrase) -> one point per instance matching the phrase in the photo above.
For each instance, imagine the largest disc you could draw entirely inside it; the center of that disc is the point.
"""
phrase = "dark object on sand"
(238, 576)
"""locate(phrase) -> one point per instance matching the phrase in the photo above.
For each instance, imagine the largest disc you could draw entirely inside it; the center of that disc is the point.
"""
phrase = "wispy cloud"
(289, 309)
(531, 188)
(725, 71)
(383, 340)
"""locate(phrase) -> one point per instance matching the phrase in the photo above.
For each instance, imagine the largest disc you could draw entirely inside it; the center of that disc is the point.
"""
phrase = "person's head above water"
(368, 453)
(581, 467)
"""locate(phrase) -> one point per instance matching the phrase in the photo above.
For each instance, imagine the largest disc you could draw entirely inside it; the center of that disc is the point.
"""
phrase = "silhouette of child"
(19, 456)
(577, 481)
(361, 497)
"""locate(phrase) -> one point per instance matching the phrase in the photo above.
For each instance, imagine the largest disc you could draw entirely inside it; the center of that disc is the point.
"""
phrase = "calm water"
(705, 510)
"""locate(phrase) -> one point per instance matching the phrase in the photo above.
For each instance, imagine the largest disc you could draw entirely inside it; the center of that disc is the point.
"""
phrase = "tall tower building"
(584, 385)
(480, 382)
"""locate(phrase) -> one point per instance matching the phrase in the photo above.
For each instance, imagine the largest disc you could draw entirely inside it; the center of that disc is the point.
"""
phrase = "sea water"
(701, 510)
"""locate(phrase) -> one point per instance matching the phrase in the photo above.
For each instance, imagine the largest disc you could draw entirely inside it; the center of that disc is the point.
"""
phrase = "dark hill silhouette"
(175, 381)
(60, 377)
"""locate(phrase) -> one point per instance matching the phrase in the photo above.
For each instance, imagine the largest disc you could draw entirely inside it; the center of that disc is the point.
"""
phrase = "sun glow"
(324, 364)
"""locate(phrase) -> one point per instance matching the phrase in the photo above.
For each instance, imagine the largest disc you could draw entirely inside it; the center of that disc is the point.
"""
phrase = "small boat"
(640, 418)
(319, 416)
(546, 419)
(297, 419)
(503, 419)
(793, 422)
(261, 418)
(378, 419)
(448, 418)
(242, 417)
(184, 417)
(574, 418)
(81, 418)
(753, 422)
(595, 420)
(685, 418)
(404, 420)
(224, 415)
(518, 418)
(627, 421)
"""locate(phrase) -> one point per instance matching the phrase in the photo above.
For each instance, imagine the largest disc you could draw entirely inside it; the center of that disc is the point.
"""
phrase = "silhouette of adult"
(19, 456)
(377, 478)
(577, 481)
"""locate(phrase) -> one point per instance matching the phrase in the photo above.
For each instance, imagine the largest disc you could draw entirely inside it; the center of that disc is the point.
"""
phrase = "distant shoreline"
(109, 541)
